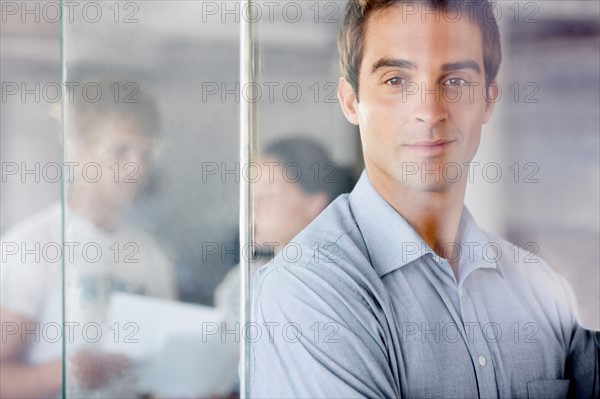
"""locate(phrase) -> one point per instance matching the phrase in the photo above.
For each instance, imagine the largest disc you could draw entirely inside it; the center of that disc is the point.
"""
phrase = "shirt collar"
(477, 251)
(379, 223)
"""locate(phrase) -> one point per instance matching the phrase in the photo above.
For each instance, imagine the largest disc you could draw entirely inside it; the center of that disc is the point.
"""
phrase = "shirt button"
(482, 361)
(462, 292)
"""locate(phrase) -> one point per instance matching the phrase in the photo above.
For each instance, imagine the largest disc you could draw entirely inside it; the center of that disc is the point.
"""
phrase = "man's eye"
(395, 81)
(456, 82)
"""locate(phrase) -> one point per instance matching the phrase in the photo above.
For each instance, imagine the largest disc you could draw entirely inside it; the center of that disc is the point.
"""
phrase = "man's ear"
(348, 101)
(493, 95)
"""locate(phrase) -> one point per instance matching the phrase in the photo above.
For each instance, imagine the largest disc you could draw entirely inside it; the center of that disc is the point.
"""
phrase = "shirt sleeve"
(319, 338)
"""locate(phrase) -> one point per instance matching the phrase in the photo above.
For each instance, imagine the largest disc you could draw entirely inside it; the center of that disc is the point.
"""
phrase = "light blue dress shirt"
(358, 305)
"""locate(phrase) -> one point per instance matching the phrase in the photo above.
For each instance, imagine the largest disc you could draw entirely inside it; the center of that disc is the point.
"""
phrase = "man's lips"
(430, 148)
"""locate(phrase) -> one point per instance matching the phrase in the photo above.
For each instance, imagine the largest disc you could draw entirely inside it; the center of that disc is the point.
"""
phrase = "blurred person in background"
(109, 146)
(298, 181)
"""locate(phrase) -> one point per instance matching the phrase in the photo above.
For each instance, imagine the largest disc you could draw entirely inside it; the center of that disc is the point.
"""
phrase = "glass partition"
(188, 142)
(151, 200)
(534, 180)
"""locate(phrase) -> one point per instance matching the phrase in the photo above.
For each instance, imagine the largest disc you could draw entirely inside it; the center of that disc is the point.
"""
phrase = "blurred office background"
(186, 56)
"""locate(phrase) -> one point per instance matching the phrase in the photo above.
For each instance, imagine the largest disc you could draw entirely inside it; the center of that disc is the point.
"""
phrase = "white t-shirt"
(97, 262)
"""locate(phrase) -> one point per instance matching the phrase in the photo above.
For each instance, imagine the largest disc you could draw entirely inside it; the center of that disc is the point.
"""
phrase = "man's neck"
(435, 215)
(101, 215)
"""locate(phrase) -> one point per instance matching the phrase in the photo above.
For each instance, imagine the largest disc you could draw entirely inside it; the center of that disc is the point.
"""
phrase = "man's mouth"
(430, 148)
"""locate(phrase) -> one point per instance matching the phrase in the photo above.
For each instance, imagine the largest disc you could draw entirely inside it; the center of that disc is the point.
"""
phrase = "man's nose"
(430, 107)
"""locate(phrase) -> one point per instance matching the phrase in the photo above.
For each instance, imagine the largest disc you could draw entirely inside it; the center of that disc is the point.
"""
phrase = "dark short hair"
(318, 173)
(352, 32)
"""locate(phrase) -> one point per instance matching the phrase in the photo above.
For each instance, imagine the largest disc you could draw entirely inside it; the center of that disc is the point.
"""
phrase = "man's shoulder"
(330, 253)
(332, 238)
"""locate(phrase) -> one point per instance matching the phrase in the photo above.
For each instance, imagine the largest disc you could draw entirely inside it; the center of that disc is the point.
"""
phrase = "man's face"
(123, 153)
(421, 98)
(283, 208)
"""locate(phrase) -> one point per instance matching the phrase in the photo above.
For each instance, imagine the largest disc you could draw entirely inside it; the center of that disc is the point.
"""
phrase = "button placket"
(478, 347)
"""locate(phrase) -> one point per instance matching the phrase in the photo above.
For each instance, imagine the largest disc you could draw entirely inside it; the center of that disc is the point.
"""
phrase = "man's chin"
(431, 186)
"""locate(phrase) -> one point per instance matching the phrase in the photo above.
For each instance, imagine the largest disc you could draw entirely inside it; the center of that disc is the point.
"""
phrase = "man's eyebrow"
(405, 64)
(466, 64)
(392, 62)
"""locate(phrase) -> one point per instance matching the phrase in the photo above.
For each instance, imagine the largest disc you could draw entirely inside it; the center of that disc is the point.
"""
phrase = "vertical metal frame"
(248, 77)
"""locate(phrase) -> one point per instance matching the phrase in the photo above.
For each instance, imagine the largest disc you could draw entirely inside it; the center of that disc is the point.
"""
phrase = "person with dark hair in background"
(298, 180)
(114, 137)
(419, 300)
